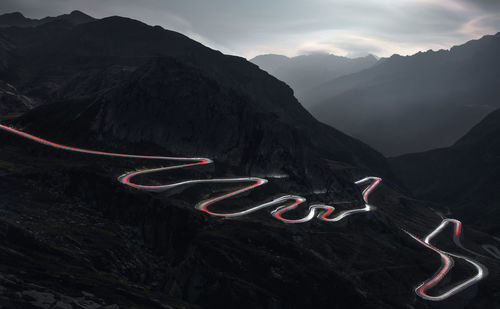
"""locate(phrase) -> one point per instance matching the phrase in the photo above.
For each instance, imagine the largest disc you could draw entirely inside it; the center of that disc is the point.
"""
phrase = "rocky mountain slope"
(306, 72)
(463, 177)
(414, 103)
(72, 235)
(117, 78)
(12, 102)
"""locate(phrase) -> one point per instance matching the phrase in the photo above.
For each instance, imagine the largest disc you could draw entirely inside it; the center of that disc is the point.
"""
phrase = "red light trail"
(126, 179)
(447, 263)
(284, 204)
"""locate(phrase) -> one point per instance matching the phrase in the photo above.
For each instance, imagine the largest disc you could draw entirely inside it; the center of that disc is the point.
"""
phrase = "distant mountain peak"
(371, 56)
(13, 19)
(304, 72)
(13, 14)
(76, 17)
(78, 13)
(17, 19)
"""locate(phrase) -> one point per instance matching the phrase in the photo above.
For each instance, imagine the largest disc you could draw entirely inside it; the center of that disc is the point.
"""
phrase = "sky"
(350, 28)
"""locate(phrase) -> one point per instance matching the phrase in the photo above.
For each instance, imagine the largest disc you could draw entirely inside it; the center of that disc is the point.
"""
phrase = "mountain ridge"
(308, 71)
(87, 62)
(414, 103)
(17, 19)
(463, 176)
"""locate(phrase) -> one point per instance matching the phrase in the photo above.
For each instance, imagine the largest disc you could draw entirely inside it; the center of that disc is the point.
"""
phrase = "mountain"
(119, 84)
(73, 236)
(414, 103)
(17, 19)
(232, 102)
(462, 177)
(305, 72)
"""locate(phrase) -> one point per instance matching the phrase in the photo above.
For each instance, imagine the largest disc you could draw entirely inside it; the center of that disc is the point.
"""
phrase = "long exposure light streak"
(285, 203)
(447, 263)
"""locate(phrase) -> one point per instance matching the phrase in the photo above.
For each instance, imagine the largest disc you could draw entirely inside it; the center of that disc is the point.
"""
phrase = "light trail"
(492, 250)
(324, 211)
(285, 204)
(447, 263)
(291, 201)
(456, 236)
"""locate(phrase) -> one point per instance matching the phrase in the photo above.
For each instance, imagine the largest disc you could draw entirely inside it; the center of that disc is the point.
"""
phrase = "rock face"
(179, 108)
(306, 72)
(463, 177)
(11, 101)
(58, 253)
(415, 103)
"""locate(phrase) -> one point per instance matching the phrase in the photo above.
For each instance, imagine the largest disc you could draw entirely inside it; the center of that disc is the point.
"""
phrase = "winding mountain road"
(447, 263)
(283, 204)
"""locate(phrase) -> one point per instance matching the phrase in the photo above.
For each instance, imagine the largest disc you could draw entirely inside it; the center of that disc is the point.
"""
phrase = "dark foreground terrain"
(71, 234)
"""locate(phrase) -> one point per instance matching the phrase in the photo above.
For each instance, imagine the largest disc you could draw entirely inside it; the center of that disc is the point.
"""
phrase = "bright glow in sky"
(292, 27)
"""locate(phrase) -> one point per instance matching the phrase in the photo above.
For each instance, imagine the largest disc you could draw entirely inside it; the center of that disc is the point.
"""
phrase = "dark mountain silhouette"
(96, 60)
(305, 72)
(463, 177)
(6, 48)
(414, 103)
(18, 20)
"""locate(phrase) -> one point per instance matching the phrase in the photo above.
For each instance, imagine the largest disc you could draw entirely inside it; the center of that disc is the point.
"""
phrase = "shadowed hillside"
(414, 103)
(122, 79)
(463, 177)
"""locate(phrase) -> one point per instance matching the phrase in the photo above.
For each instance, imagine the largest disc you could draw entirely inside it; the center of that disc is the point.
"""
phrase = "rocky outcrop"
(12, 102)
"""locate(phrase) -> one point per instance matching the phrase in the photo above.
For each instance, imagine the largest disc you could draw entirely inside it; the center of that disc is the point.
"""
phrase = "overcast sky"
(292, 27)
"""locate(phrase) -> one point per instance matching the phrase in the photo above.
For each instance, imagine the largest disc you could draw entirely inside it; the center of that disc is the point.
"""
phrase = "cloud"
(291, 27)
(484, 4)
(480, 25)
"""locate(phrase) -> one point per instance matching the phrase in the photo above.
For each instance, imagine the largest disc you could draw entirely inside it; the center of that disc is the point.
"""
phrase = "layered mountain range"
(17, 19)
(414, 103)
(306, 72)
